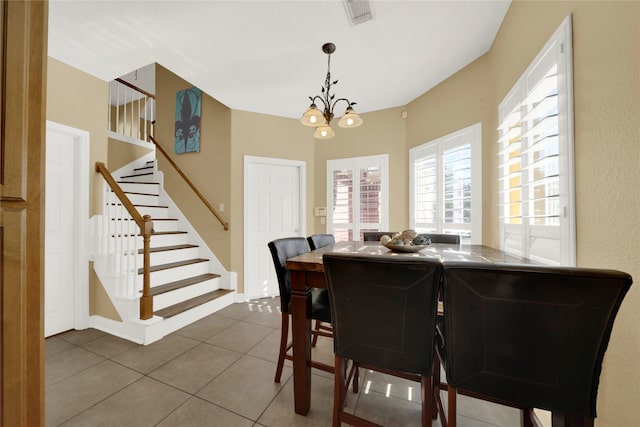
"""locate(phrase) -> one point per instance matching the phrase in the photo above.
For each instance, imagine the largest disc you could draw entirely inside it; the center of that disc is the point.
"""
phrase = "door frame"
(249, 162)
(81, 222)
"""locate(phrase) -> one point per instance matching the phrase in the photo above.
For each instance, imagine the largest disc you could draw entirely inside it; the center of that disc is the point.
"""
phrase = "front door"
(274, 201)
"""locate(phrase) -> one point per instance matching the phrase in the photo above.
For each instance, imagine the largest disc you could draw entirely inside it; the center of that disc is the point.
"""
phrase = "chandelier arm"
(349, 103)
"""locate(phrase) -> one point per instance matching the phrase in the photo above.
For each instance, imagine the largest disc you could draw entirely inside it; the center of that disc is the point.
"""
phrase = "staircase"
(187, 281)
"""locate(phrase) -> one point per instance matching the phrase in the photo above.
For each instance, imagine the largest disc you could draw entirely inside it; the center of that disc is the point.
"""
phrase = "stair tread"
(141, 194)
(176, 264)
(137, 182)
(136, 175)
(155, 233)
(141, 206)
(168, 248)
(191, 303)
(152, 219)
(178, 284)
(165, 233)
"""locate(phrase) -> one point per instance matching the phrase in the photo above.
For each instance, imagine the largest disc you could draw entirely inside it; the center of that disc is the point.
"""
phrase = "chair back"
(374, 236)
(281, 250)
(531, 335)
(383, 309)
(443, 238)
(320, 241)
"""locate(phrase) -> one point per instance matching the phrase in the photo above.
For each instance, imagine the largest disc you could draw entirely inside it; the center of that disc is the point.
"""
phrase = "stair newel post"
(146, 301)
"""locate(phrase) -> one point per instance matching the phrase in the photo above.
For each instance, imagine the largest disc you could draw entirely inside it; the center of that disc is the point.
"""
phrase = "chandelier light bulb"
(324, 132)
(351, 119)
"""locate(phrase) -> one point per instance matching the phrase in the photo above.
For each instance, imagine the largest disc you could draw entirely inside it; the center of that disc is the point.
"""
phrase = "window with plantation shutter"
(445, 185)
(535, 158)
(357, 199)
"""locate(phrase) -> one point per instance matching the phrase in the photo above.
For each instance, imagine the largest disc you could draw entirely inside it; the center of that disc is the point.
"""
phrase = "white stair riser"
(146, 169)
(160, 224)
(117, 211)
(166, 257)
(137, 199)
(153, 211)
(174, 297)
(139, 178)
(140, 188)
(158, 240)
(172, 274)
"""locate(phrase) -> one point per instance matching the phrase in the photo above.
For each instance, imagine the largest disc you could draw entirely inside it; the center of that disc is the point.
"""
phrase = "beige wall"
(264, 136)
(79, 100)
(209, 170)
(607, 151)
(383, 132)
(122, 153)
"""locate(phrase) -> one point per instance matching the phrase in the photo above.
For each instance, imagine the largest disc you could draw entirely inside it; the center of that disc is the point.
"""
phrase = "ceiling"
(265, 56)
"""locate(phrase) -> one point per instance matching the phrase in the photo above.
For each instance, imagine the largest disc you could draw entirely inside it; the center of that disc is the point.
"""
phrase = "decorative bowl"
(404, 248)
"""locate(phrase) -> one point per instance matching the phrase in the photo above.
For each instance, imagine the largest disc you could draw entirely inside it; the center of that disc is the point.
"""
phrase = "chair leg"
(452, 412)
(436, 385)
(427, 400)
(339, 391)
(314, 341)
(356, 377)
(284, 337)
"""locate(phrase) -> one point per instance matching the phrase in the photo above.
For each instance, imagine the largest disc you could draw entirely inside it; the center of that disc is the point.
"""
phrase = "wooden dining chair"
(383, 313)
(374, 236)
(527, 336)
(281, 250)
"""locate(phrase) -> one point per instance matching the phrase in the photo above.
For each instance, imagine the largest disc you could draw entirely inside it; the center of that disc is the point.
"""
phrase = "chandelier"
(321, 120)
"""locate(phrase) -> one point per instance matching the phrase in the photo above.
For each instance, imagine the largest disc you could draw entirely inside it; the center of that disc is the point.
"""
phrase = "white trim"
(81, 222)
(249, 161)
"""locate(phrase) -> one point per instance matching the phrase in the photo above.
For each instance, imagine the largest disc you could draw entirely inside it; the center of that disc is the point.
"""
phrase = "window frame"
(473, 136)
(519, 239)
(355, 164)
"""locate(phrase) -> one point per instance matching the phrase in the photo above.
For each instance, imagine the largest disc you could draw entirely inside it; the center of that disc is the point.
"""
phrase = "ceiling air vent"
(358, 11)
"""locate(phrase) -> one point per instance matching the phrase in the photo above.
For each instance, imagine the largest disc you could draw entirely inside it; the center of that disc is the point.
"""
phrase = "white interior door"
(274, 208)
(59, 233)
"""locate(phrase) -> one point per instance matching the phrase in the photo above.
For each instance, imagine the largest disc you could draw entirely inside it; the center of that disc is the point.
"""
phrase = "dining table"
(307, 271)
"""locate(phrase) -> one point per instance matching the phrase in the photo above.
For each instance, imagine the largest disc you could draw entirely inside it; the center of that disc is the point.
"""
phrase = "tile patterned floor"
(217, 372)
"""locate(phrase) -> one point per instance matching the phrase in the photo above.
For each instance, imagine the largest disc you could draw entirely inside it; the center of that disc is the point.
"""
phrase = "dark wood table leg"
(301, 330)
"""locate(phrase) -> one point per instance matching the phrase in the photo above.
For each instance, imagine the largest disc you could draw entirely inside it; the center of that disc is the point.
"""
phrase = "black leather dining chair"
(317, 241)
(383, 313)
(281, 250)
(443, 238)
(528, 336)
(374, 236)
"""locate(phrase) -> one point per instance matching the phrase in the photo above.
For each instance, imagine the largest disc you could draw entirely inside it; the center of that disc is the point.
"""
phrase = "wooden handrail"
(190, 184)
(146, 228)
(136, 88)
